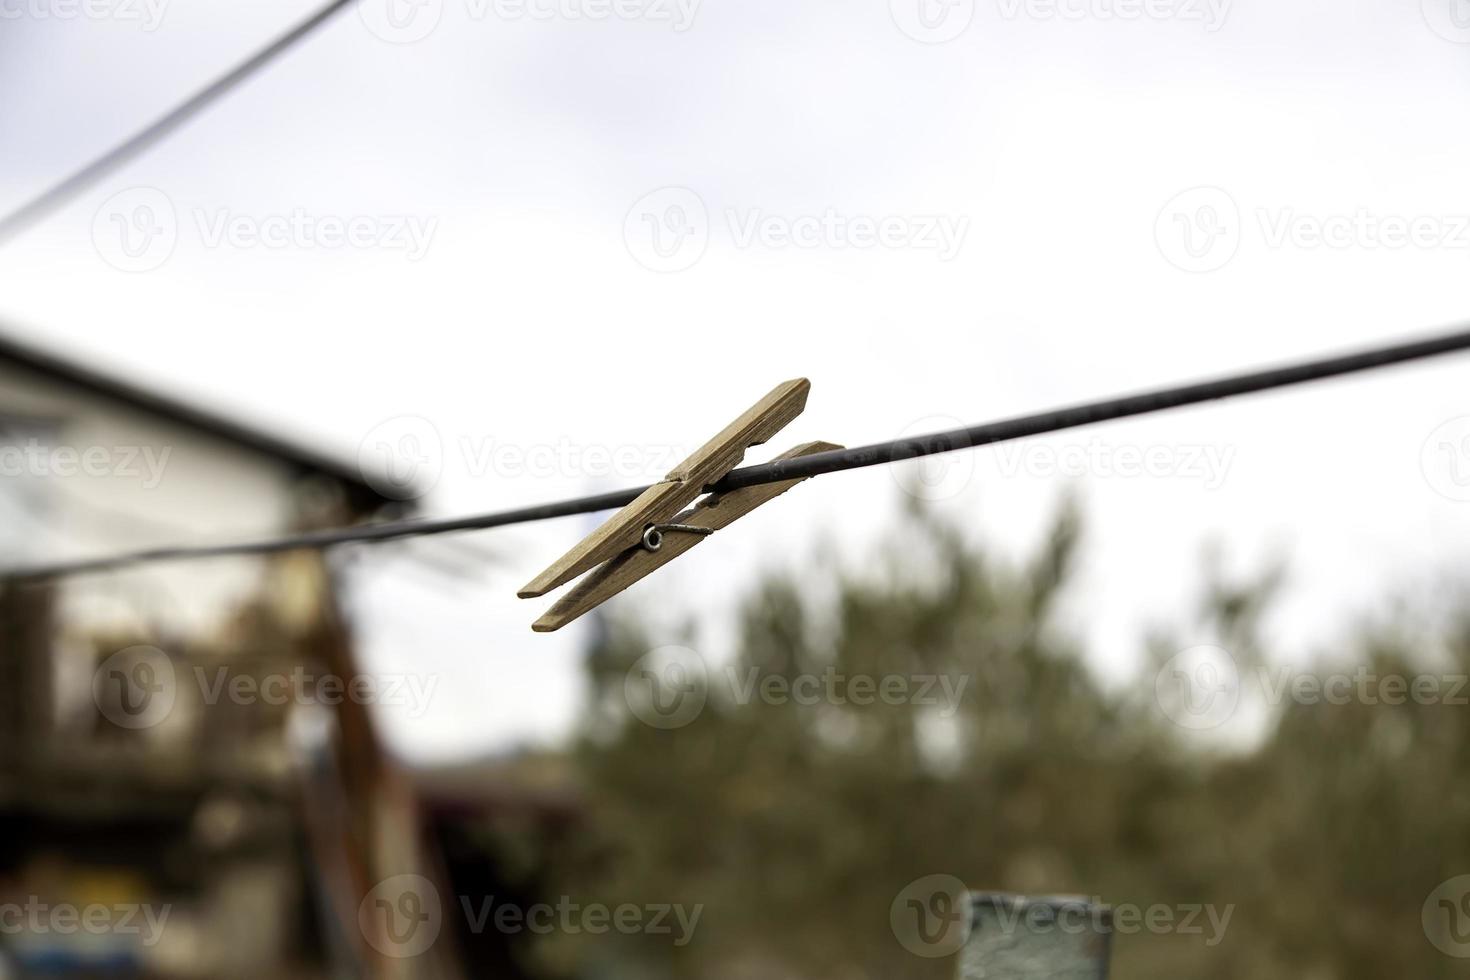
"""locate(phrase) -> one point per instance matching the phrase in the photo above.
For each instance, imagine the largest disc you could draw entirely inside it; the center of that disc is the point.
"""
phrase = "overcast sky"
(559, 241)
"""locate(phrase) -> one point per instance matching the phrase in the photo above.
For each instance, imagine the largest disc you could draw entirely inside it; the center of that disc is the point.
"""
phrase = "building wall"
(222, 771)
(155, 482)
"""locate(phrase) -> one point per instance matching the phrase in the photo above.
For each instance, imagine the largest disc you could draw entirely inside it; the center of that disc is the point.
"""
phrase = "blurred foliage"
(795, 826)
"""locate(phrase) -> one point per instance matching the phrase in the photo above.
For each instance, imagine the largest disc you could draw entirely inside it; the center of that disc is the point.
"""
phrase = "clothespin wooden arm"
(712, 514)
(686, 482)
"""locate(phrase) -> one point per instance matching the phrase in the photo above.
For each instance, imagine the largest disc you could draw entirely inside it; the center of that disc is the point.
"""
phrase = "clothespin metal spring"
(653, 535)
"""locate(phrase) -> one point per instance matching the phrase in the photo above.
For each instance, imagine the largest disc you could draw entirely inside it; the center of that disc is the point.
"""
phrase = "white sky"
(521, 144)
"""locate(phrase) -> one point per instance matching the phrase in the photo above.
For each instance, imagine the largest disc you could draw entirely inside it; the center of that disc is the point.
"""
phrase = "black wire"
(362, 534)
(1103, 411)
(36, 209)
(807, 466)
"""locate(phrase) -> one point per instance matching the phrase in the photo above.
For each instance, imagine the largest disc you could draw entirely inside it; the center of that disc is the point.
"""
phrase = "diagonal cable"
(38, 208)
(817, 464)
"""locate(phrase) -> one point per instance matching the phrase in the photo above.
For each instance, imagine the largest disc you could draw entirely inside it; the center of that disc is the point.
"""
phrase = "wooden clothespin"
(655, 529)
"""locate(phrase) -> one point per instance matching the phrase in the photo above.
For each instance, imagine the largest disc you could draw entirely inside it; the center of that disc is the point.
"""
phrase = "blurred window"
(24, 504)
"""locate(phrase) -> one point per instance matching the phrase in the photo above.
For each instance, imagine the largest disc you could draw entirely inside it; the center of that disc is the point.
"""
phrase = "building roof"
(150, 401)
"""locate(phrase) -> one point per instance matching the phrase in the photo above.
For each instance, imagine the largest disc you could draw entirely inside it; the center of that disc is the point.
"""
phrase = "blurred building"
(165, 745)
